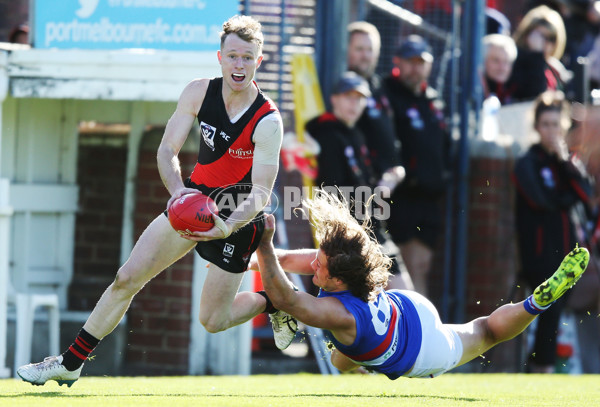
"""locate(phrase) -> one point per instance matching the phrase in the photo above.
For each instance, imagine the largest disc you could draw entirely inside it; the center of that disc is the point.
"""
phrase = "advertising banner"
(179, 25)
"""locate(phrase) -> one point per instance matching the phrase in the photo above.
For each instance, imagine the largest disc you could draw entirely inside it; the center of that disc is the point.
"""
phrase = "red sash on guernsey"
(236, 163)
(384, 345)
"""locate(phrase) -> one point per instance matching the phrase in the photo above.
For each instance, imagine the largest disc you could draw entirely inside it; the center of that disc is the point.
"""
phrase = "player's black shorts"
(415, 219)
(233, 254)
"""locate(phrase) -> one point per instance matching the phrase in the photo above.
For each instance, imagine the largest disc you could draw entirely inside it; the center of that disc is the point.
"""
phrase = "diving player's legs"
(483, 333)
(441, 347)
(511, 319)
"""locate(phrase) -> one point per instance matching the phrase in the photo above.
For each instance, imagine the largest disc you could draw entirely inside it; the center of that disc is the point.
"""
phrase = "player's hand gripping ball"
(192, 213)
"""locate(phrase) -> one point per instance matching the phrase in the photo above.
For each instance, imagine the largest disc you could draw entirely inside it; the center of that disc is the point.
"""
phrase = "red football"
(193, 213)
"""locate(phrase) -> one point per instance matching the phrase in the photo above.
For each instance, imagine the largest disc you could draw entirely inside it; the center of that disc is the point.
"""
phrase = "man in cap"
(415, 213)
(344, 157)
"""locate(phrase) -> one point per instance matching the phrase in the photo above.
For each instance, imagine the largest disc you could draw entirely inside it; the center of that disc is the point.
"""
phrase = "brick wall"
(101, 180)
(160, 315)
(492, 263)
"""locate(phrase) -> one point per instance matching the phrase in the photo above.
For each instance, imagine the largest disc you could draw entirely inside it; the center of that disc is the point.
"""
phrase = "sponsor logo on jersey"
(228, 250)
(208, 134)
(241, 153)
(224, 135)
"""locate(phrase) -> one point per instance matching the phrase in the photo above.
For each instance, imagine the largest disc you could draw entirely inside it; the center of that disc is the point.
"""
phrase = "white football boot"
(50, 369)
(284, 328)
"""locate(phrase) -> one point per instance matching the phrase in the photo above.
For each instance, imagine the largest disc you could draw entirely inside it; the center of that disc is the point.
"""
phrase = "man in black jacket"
(344, 159)
(415, 219)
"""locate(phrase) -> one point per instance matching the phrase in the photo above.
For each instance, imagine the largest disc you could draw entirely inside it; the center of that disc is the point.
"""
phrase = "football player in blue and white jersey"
(397, 332)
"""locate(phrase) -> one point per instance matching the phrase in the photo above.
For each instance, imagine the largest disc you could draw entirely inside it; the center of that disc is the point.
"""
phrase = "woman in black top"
(549, 182)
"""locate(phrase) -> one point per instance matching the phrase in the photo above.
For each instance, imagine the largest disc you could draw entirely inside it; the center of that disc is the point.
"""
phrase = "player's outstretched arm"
(296, 261)
(325, 313)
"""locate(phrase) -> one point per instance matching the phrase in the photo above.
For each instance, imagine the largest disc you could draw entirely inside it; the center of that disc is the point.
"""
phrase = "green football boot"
(570, 271)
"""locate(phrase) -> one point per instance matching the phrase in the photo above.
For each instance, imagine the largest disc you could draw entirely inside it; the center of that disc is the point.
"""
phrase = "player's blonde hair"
(245, 27)
(353, 254)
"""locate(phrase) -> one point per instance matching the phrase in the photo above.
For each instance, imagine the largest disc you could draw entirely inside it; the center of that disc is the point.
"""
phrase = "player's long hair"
(353, 254)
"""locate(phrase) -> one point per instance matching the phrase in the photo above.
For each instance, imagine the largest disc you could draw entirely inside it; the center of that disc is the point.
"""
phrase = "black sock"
(269, 308)
(79, 351)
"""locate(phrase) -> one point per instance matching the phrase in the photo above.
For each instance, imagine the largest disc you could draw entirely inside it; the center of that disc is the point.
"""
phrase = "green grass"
(309, 390)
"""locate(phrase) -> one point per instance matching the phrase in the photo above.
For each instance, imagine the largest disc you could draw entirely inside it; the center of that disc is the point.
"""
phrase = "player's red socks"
(79, 351)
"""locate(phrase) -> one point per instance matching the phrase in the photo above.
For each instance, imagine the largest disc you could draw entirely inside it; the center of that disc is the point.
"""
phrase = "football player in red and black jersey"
(241, 133)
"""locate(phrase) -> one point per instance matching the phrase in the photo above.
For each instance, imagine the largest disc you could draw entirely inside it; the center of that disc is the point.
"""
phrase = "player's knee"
(212, 324)
(483, 327)
(124, 282)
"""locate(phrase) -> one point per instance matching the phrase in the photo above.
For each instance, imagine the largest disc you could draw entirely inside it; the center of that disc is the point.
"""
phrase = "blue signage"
(181, 25)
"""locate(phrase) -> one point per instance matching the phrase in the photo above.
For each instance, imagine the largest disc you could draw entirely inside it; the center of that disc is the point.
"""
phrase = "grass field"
(308, 390)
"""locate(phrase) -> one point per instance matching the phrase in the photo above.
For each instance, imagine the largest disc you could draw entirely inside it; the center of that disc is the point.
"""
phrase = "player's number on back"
(380, 314)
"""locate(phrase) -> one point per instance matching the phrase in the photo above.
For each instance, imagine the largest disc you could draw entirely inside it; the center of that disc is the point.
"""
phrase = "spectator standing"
(364, 44)
(377, 126)
(415, 220)
(549, 184)
(582, 24)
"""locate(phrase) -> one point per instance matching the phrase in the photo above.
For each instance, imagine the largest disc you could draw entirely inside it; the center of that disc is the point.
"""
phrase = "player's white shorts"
(441, 347)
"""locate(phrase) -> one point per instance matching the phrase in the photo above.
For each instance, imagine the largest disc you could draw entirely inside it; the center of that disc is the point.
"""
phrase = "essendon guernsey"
(226, 148)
